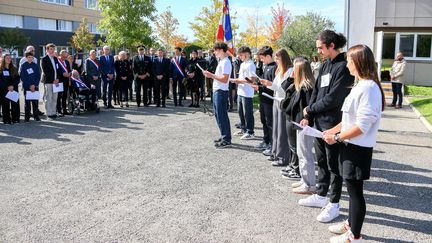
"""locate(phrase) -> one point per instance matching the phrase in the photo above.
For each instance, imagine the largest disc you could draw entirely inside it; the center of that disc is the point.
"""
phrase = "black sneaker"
(272, 158)
(217, 140)
(292, 175)
(223, 144)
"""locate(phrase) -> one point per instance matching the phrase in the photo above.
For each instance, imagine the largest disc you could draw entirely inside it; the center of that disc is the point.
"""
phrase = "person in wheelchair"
(84, 88)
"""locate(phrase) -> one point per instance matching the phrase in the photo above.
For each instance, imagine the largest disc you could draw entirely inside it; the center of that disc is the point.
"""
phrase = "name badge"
(5, 73)
(30, 70)
(325, 80)
(57, 65)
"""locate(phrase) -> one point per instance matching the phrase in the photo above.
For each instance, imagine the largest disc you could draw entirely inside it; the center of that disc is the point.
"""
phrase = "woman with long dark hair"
(356, 135)
(9, 80)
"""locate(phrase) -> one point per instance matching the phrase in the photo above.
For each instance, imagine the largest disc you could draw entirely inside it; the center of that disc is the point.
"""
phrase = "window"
(424, 43)
(63, 25)
(407, 45)
(389, 45)
(93, 28)
(47, 24)
(91, 4)
(62, 2)
(11, 21)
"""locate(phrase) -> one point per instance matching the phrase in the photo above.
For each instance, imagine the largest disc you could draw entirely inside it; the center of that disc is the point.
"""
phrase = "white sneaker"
(304, 189)
(296, 184)
(247, 136)
(340, 228)
(314, 201)
(329, 212)
(344, 238)
(238, 133)
(267, 152)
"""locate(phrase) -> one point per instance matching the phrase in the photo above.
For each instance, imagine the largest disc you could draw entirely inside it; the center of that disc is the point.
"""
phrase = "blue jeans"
(245, 109)
(397, 93)
(220, 107)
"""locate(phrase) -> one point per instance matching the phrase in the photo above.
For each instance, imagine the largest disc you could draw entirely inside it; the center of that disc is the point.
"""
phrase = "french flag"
(224, 31)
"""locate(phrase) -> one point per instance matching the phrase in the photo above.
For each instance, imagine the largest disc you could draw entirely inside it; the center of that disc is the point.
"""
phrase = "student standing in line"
(30, 76)
(9, 80)
(356, 136)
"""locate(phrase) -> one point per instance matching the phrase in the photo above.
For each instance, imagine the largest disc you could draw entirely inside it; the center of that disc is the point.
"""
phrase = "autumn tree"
(280, 20)
(82, 39)
(255, 34)
(166, 28)
(126, 23)
(299, 38)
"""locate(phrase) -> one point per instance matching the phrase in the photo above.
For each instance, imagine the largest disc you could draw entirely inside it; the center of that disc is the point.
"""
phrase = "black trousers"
(62, 98)
(10, 109)
(144, 86)
(266, 116)
(124, 90)
(181, 90)
(161, 91)
(357, 206)
(292, 143)
(329, 178)
(30, 105)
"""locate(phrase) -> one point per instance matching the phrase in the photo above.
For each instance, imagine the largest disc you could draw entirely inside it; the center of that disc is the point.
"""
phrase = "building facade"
(45, 21)
(390, 26)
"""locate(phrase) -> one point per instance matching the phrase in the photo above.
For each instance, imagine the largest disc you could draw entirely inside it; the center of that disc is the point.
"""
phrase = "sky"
(186, 10)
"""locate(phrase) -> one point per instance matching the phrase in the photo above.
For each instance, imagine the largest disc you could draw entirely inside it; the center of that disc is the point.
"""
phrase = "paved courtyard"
(153, 175)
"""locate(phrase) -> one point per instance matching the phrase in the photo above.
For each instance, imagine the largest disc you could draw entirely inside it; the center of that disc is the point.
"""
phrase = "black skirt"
(355, 161)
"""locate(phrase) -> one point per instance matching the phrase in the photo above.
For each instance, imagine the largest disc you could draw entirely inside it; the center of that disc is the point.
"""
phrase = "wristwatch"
(337, 138)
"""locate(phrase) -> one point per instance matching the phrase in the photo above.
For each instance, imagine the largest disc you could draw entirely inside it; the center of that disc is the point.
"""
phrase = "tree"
(254, 36)
(166, 27)
(82, 39)
(13, 39)
(126, 23)
(300, 36)
(207, 22)
(178, 40)
(280, 20)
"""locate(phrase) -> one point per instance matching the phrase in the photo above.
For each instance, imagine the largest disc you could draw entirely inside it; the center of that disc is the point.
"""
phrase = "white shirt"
(277, 84)
(363, 107)
(223, 67)
(54, 66)
(247, 69)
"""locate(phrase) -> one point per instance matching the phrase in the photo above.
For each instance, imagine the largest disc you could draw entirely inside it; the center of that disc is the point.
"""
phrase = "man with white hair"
(107, 70)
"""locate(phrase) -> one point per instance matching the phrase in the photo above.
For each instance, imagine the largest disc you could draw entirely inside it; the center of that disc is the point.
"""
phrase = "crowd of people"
(342, 97)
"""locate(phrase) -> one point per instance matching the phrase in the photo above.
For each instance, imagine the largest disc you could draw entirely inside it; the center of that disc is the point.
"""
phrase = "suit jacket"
(106, 66)
(141, 67)
(174, 72)
(49, 71)
(61, 77)
(161, 68)
(92, 70)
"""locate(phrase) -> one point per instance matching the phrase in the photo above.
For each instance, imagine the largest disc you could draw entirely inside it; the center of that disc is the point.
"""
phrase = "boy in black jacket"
(30, 76)
(332, 86)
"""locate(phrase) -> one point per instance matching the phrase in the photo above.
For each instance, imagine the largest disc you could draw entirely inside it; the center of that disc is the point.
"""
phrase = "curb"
(419, 115)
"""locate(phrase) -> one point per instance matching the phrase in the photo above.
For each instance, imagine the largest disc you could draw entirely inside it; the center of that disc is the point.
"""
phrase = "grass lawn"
(421, 100)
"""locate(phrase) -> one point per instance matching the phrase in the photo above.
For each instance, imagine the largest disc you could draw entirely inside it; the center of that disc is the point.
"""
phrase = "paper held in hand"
(309, 131)
(59, 88)
(13, 95)
(279, 99)
(32, 95)
(202, 70)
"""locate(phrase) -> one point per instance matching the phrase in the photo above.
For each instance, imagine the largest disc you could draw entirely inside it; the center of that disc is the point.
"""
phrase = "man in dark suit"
(142, 68)
(50, 68)
(161, 72)
(93, 72)
(152, 87)
(64, 79)
(107, 69)
(177, 75)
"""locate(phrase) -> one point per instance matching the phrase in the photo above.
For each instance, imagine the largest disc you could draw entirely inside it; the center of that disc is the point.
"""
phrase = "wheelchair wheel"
(78, 111)
(70, 107)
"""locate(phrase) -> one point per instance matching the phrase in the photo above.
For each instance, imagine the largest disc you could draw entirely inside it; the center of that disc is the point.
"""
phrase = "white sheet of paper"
(78, 62)
(325, 80)
(312, 132)
(202, 70)
(297, 124)
(32, 95)
(14, 96)
(57, 89)
(5, 73)
(278, 99)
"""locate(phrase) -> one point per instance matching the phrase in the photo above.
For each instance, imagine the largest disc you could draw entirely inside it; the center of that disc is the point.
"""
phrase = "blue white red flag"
(224, 31)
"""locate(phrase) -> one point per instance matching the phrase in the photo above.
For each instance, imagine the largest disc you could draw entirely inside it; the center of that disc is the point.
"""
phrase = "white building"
(389, 26)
